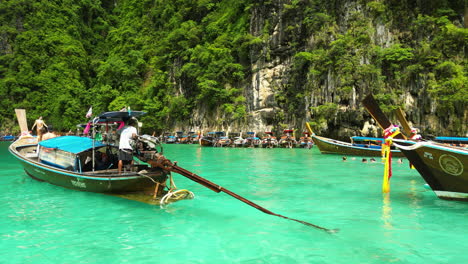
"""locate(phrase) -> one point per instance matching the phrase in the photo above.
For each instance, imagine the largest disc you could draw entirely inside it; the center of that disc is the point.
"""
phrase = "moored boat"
(221, 140)
(269, 141)
(443, 167)
(306, 141)
(7, 138)
(287, 140)
(86, 164)
(237, 139)
(251, 141)
(208, 140)
(179, 136)
(171, 140)
(359, 146)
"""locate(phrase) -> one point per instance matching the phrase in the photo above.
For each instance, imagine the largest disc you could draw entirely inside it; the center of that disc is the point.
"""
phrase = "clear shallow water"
(42, 223)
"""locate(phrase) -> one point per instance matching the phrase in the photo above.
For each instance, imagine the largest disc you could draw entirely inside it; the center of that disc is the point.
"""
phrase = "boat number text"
(39, 171)
(428, 155)
(79, 184)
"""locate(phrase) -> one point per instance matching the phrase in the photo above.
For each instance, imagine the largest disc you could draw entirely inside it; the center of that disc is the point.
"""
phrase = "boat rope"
(144, 175)
(174, 195)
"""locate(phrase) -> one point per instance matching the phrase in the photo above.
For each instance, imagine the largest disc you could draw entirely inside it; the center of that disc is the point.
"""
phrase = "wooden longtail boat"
(7, 138)
(269, 141)
(67, 161)
(305, 141)
(171, 140)
(444, 168)
(237, 139)
(189, 138)
(251, 141)
(84, 164)
(359, 146)
(222, 140)
(287, 140)
(208, 140)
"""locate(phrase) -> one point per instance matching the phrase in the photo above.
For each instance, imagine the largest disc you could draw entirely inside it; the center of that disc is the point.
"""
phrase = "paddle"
(166, 164)
(374, 109)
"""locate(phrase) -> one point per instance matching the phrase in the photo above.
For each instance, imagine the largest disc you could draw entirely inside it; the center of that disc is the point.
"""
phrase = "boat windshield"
(58, 158)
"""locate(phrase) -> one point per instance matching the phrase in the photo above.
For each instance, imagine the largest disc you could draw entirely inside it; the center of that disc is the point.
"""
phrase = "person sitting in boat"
(40, 128)
(101, 160)
(128, 133)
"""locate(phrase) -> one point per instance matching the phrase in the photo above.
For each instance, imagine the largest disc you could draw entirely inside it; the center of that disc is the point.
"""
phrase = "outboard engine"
(146, 147)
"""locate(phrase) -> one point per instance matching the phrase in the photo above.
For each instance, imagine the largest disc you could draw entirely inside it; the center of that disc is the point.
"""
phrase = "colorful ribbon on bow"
(389, 134)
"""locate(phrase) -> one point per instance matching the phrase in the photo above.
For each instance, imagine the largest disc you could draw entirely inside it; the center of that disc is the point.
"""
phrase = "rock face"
(275, 79)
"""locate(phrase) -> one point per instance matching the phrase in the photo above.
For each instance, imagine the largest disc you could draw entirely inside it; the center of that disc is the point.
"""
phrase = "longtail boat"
(251, 141)
(287, 140)
(306, 141)
(186, 139)
(179, 136)
(359, 146)
(269, 140)
(222, 140)
(208, 140)
(444, 168)
(86, 164)
(7, 138)
(171, 140)
(237, 139)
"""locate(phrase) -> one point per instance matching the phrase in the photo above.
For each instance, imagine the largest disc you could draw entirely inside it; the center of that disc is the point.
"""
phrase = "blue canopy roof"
(71, 144)
(367, 139)
(457, 139)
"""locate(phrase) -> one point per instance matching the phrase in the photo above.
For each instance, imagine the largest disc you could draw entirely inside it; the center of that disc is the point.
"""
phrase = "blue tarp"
(452, 139)
(71, 144)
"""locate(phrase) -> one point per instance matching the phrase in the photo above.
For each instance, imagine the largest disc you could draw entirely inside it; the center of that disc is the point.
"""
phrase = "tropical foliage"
(172, 58)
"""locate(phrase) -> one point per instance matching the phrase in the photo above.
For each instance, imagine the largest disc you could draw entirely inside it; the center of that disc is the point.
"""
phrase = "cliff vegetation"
(236, 65)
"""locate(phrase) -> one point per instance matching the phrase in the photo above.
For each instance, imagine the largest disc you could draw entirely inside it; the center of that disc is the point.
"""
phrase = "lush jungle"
(236, 64)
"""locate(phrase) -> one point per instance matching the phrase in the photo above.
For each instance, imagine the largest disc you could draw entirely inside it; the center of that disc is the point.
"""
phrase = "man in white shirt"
(128, 133)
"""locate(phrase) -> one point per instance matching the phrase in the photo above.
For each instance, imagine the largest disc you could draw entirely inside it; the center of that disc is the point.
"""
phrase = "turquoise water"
(42, 223)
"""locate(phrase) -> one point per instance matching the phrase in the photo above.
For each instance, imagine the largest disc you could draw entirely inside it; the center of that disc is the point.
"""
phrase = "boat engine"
(146, 147)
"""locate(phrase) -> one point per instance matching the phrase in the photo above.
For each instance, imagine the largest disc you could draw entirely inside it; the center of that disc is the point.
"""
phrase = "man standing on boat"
(128, 133)
(40, 128)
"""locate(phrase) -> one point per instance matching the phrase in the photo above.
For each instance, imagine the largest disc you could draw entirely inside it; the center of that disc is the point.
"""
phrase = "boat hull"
(443, 168)
(99, 181)
(331, 146)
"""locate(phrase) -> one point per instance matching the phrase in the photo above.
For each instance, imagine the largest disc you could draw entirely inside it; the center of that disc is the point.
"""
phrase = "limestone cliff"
(283, 92)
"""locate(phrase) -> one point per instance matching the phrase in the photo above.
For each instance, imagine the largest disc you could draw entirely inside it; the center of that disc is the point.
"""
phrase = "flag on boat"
(90, 112)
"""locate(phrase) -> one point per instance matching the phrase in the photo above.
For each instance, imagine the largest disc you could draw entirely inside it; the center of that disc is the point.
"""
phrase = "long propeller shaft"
(166, 164)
